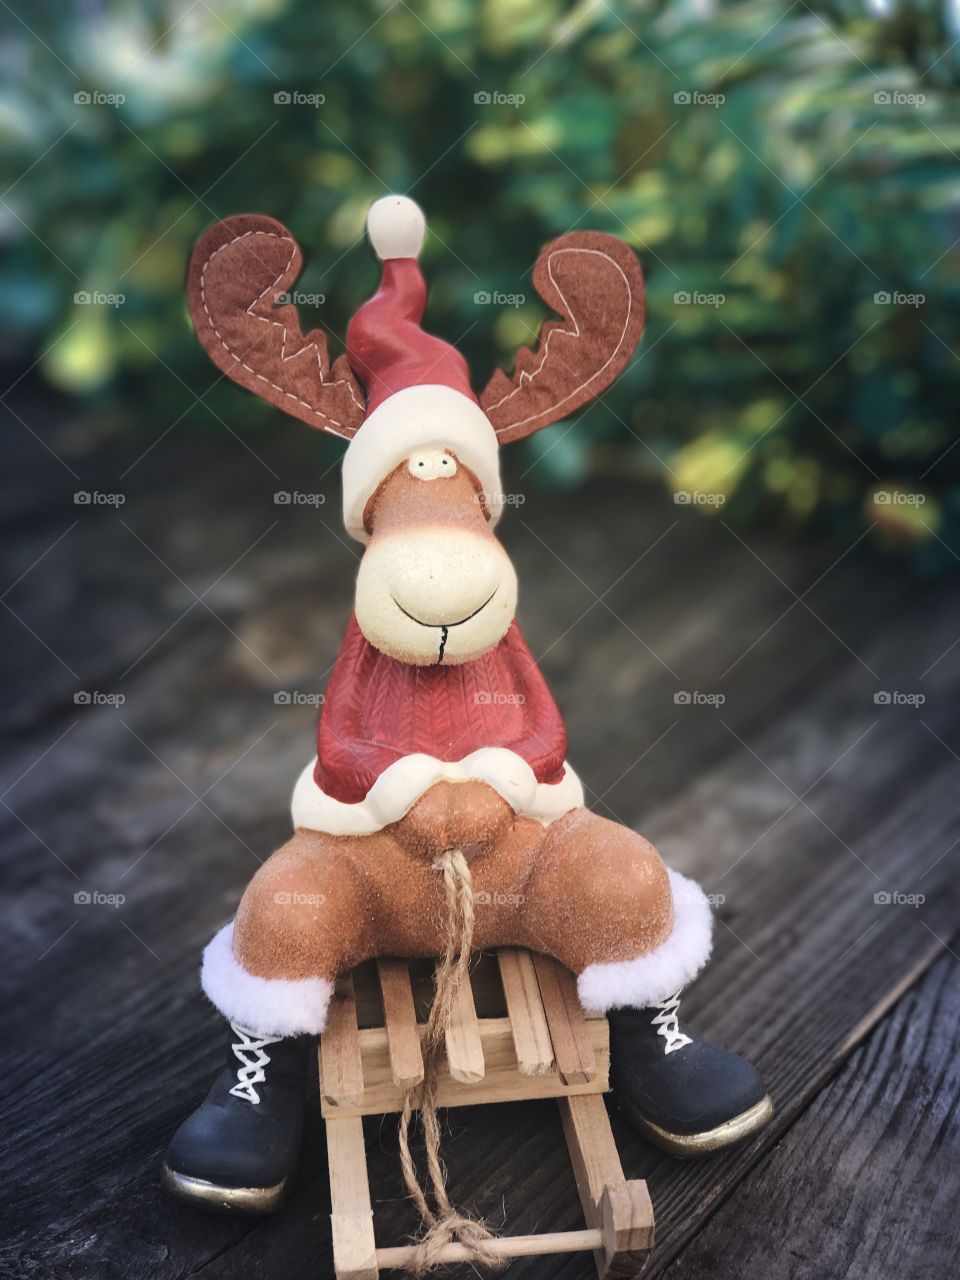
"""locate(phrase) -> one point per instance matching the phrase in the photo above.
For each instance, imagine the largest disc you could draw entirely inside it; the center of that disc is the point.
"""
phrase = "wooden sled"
(518, 1033)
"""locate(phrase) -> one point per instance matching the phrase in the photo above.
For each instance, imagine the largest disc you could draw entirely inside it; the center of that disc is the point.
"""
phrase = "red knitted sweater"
(378, 710)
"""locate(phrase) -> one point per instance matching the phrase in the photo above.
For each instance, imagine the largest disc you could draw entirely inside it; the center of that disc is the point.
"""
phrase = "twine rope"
(444, 1223)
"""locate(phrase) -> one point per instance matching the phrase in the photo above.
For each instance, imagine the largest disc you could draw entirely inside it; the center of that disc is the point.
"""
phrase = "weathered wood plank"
(874, 1177)
(569, 1033)
(406, 1058)
(823, 963)
(464, 1049)
(531, 1035)
(351, 1215)
(341, 1067)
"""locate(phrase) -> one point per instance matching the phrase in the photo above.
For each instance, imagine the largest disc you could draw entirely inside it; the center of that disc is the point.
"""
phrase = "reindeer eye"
(431, 464)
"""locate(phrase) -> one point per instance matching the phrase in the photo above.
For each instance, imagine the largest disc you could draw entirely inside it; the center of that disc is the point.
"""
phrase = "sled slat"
(464, 1050)
(403, 1040)
(576, 1061)
(621, 1208)
(351, 1216)
(341, 1067)
(528, 1022)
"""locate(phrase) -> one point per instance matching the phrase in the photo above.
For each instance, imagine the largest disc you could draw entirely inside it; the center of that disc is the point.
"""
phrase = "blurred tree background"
(787, 173)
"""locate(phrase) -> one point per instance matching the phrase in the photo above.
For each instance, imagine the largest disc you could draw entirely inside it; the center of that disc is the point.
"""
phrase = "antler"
(238, 271)
(594, 281)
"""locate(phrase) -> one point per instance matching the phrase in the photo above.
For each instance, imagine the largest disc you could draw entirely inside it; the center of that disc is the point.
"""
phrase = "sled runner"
(517, 1032)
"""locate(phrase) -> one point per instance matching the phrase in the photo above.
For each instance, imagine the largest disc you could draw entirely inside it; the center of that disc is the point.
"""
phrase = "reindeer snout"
(435, 594)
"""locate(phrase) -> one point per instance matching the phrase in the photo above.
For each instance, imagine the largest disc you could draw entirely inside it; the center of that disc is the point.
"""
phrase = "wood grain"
(108, 1041)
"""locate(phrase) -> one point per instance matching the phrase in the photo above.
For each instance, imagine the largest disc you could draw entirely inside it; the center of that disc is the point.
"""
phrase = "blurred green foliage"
(781, 169)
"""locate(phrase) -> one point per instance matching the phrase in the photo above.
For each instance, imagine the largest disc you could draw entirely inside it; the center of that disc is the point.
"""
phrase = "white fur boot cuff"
(649, 979)
(267, 1006)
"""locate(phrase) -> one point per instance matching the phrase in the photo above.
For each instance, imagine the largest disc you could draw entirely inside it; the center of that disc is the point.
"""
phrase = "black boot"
(241, 1146)
(685, 1095)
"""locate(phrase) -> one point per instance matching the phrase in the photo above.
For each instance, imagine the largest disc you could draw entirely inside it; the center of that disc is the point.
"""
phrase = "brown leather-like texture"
(595, 283)
(239, 270)
(584, 890)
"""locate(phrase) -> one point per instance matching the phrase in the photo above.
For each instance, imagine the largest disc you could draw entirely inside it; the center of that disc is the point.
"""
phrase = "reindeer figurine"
(437, 732)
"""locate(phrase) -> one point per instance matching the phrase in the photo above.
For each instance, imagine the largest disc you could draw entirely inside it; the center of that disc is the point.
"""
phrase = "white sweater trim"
(400, 785)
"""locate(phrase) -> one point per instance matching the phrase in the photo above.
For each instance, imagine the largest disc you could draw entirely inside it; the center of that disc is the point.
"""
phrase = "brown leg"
(308, 912)
(599, 893)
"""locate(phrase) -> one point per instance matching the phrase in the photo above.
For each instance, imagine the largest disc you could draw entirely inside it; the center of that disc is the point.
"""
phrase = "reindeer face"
(434, 584)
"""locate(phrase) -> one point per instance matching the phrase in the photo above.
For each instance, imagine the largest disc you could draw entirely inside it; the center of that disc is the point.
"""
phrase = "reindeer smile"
(444, 626)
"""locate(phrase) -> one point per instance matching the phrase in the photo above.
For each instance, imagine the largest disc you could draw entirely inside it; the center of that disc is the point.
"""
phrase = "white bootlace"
(668, 1026)
(252, 1069)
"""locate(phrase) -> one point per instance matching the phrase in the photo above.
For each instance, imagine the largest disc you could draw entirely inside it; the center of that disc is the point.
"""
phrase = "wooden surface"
(798, 800)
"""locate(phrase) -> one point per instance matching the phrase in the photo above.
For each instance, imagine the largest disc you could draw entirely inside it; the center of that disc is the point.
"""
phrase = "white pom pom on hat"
(396, 227)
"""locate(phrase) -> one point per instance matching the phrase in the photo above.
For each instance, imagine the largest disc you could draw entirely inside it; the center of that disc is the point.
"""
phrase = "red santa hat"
(418, 386)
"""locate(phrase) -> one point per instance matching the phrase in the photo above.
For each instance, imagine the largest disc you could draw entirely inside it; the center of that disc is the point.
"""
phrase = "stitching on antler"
(526, 377)
(276, 323)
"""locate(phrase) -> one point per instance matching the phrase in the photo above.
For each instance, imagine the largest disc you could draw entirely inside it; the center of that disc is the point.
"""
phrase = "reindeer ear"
(238, 272)
(594, 281)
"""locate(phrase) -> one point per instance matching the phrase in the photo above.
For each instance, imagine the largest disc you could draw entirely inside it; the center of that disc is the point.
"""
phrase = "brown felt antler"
(238, 271)
(594, 281)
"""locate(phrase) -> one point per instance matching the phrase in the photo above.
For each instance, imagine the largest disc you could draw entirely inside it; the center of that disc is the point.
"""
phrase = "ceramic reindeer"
(437, 731)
